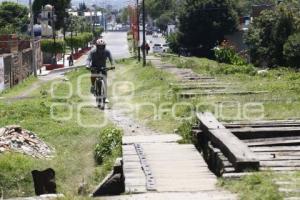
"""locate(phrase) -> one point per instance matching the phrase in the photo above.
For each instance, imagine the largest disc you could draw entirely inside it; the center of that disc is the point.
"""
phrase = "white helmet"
(100, 42)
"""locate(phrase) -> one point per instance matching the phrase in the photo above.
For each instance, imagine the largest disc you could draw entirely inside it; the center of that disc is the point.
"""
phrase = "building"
(46, 20)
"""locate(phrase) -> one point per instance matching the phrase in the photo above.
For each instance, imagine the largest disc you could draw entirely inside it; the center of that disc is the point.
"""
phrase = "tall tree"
(13, 16)
(205, 22)
(269, 33)
(163, 12)
(60, 9)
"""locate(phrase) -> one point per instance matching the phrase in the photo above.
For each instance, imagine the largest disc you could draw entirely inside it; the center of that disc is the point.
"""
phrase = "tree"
(291, 50)
(269, 32)
(82, 8)
(244, 7)
(205, 22)
(60, 9)
(13, 17)
(164, 20)
(163, 12)
(124, 16)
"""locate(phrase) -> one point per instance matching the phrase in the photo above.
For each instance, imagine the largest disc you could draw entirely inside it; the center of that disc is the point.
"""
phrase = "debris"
(14, 138)
(263, 72)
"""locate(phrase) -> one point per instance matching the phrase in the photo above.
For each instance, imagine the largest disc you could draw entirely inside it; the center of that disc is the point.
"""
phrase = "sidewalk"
(77, 64)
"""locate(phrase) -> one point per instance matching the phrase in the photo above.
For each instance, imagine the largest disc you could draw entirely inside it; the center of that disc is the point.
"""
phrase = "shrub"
(228, 55)
(269, 32)
(291, 50)
(110, 140)
(80, 40)
(48, 46)
(172, 39)
(185, 130)
(235, 69)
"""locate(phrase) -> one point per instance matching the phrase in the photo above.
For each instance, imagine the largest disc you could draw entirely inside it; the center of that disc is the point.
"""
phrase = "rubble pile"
(14, 138)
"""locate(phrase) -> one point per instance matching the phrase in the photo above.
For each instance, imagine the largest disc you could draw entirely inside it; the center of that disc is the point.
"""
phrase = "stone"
(17, 128)
(2, 131)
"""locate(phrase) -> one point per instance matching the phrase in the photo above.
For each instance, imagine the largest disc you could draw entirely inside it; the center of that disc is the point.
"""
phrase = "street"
(152, 40)
(117, 44)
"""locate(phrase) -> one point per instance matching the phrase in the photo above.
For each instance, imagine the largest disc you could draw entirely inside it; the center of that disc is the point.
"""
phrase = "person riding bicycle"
(97, 61)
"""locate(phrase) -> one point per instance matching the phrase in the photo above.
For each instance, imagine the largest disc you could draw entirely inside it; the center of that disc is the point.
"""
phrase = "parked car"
(157, 48)
(165, 48)
(149, 32)
(155, 35)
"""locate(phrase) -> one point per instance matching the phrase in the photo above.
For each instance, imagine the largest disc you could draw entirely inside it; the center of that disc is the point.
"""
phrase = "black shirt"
(98, 59)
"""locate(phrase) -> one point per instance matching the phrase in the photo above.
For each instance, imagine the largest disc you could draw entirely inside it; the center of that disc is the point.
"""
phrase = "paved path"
(117, 44)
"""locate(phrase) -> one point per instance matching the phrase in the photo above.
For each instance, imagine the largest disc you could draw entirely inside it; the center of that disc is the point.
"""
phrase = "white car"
(157, 48)
(166, 48)
(155, 35)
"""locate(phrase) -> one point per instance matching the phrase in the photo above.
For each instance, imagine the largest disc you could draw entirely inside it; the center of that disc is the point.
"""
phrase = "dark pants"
(95, 74)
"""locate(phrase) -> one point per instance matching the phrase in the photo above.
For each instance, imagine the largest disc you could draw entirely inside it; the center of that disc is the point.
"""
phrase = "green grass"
(73, 160)
(150, 95)
(259, 186)
(281, 99)
(19, 88)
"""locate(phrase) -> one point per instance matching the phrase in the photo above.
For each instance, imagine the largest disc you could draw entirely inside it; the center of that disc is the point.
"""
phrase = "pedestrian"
(147, 48)
(71, 61)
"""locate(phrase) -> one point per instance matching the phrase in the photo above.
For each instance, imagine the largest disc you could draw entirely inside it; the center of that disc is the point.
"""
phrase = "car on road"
(149, 32)
(155, 35)
(157, 48)
(165, 48)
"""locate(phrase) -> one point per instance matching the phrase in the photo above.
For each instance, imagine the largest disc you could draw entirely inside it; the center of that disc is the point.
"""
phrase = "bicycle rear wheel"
(100, 93)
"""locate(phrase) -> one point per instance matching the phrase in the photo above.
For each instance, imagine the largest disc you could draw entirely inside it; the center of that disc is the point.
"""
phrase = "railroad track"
(232, 149)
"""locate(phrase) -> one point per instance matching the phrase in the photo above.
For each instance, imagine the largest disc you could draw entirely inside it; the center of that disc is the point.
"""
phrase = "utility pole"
(32, 40)
(53, 32)
(138, 29)
(144, 34)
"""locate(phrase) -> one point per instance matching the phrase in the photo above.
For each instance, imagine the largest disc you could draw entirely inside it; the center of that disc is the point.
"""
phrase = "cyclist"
(97, 62)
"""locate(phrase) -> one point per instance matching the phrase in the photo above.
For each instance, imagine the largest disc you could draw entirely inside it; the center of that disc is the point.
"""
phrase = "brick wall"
(18, 66)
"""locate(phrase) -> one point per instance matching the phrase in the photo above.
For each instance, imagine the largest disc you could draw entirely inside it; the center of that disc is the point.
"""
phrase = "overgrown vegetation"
(110, 140)
(225, 53)
(48, 46)
(73, 160)
(79, 41)
(269, 34)
(13, 18)
(259, 186)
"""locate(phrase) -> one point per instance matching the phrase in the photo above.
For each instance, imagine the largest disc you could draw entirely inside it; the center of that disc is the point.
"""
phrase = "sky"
(115, 3)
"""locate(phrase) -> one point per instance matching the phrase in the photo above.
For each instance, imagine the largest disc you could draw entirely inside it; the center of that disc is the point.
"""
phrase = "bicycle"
(100, 90)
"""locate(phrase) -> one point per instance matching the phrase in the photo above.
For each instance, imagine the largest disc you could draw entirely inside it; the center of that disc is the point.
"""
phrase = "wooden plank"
(280, 169)
(127, 140)
(263, 124)
(275, 163)
(265, 132)
(272, 139)
(237, 152)
(275, 148)
(274, 142)
(195, 94)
